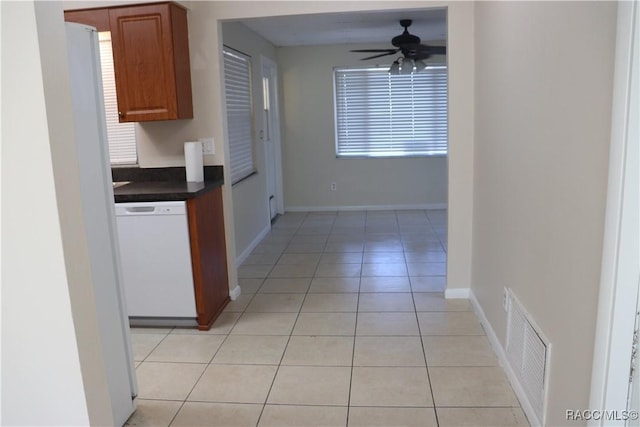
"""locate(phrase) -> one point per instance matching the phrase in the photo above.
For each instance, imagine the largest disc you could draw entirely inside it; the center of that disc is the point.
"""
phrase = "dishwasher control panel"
(151, 208)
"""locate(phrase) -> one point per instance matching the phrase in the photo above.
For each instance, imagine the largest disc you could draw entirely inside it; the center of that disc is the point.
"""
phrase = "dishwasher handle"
(140, 209)
(150, 208)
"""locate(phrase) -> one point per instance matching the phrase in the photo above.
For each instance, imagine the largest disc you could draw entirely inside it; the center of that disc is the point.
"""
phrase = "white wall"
(309, 158)
(250, 202)
(543, 107)
(52, 367)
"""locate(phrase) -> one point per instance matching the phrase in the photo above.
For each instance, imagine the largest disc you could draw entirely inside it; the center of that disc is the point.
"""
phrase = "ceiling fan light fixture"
(407, 66)
(420, 65)
(395, 68)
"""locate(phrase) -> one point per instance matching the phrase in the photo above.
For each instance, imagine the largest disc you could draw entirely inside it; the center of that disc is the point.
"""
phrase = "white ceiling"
(345, 28)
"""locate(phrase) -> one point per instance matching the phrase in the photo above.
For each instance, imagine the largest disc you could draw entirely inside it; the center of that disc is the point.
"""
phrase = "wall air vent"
(528, 354)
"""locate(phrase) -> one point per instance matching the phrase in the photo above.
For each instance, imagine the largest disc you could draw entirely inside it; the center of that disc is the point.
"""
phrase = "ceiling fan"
(413, 53)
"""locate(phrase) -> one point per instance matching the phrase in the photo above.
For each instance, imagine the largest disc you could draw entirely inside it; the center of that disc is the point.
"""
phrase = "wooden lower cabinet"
(208, 256)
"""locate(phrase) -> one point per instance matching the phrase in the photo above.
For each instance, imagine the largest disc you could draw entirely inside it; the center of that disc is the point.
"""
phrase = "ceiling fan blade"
(378, 56)
(432, 50)
(408, 44)
(421, 56)
(375, 50)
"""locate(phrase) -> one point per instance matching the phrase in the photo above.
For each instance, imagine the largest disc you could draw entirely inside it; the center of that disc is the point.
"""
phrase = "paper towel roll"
(193, 161)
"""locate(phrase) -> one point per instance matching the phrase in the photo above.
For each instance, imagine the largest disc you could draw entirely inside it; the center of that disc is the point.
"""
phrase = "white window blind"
(383, 115)
(121, 136)
(237, 86)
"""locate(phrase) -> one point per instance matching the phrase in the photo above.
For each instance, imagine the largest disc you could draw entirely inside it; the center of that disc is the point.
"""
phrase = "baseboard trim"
(502, 358)
(457, 293)
(365, 207)
(247, 251)
(235, 293)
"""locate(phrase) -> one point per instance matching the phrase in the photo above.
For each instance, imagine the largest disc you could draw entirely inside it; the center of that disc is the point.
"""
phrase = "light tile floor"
(341, 322)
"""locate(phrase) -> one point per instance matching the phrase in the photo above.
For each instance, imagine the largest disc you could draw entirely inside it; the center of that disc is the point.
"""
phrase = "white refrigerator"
(99, 216)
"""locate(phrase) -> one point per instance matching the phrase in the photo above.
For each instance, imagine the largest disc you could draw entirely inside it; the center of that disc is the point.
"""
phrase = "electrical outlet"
(333, 186)
(207, 145)
(505, 299)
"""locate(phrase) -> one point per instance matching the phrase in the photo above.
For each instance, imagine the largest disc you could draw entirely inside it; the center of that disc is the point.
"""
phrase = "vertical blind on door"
(121, 136)
(237, 86)
(384, 115)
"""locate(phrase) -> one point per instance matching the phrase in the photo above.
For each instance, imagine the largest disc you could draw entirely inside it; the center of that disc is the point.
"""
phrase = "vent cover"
(527, 353)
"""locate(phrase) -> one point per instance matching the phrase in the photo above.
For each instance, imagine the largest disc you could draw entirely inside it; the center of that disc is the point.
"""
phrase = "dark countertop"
(162, 184)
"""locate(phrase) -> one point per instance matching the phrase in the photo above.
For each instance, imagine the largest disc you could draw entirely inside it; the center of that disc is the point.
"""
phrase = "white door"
(611, 388)
(99, 216)
(633, 402)
(270, 136)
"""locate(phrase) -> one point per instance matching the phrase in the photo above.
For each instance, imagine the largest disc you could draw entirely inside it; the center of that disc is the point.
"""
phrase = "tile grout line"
(155, 347)
(424, 354)
(275, 375)
(355, 329)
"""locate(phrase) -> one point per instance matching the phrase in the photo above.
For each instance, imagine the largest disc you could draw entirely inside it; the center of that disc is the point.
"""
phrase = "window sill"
(417, 156)
(253, 172)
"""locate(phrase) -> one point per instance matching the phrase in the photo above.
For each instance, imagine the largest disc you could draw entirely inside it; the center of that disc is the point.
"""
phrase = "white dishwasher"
(156, 262)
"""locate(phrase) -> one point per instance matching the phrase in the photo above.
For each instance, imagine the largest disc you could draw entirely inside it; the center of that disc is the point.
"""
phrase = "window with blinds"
(237, 87)
(121, 136)
(384, 115)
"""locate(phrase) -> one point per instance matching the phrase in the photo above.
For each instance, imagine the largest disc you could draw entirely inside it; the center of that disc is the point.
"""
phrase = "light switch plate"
(207, 145)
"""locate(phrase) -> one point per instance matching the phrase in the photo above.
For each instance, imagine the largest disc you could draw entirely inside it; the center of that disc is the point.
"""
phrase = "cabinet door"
(208, 256)
(143, 62)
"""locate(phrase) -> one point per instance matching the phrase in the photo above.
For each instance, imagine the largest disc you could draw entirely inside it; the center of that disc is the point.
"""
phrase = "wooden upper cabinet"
(151, 62)
(150, 57)
(98, 18)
